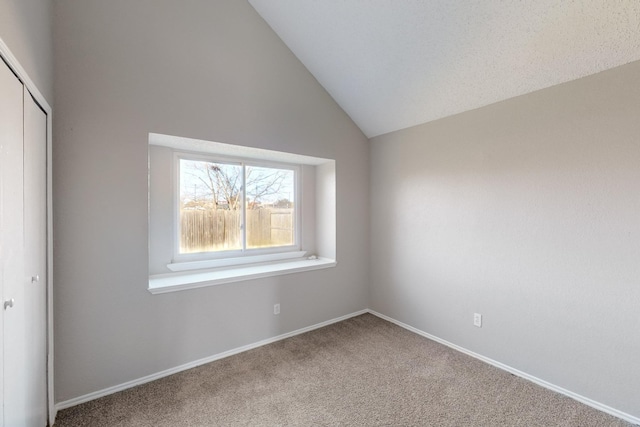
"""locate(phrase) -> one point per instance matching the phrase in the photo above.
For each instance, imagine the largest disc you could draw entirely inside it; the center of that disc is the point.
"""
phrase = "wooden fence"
(215, 230)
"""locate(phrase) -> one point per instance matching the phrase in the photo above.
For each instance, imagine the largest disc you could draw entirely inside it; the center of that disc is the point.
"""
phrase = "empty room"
(319, 212)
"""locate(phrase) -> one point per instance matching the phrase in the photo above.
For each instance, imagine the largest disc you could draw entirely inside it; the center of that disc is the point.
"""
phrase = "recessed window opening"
(222, 213)
(233, 207)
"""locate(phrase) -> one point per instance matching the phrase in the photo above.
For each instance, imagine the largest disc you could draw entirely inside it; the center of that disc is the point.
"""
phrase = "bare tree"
(264, 183)
(219, 185)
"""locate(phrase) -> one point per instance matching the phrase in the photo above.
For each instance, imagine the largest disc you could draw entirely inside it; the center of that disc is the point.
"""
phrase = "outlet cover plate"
(477, 320)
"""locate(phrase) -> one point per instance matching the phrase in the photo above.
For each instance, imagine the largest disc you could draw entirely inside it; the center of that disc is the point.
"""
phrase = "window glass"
(233, 207)
(210, 206)
(270, 207)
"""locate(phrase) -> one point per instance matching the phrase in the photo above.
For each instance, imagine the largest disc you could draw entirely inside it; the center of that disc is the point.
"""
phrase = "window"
(229, 208)
(222, 213)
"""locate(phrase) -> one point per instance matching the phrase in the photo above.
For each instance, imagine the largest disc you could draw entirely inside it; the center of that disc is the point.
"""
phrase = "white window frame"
(213, 259)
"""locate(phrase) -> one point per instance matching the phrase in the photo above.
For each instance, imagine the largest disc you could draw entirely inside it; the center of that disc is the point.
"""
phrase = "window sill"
(234, 262)
(172, 282)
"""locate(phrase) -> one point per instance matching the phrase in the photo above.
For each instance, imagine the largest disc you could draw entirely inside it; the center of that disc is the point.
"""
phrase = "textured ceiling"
(392, 64)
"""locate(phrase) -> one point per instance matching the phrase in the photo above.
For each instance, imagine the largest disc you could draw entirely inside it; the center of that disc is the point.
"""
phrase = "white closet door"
(23, 361)
(35, 250)
(11, 244)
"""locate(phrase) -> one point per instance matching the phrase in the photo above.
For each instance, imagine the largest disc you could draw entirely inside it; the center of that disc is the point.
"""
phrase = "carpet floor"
(363, 371)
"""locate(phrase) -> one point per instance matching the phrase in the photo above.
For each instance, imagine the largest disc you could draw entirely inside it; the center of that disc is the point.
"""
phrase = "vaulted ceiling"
(392, 64)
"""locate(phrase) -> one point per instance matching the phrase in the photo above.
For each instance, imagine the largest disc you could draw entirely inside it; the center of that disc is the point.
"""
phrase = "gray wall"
(528, 212)
(25, 26)
(199, 69)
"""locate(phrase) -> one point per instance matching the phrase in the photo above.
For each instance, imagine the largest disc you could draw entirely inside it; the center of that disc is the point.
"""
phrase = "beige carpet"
(360, 372)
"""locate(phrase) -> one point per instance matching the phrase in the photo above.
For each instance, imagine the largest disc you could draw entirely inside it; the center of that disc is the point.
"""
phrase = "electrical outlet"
(477, 320)
(276, 308)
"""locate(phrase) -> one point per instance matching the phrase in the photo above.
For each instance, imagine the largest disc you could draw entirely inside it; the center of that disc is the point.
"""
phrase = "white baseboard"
(589, 402)
(110, 390)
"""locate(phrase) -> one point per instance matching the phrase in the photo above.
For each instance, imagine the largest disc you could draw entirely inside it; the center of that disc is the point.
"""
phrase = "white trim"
(114, 389)
(589, 402)
(5, 52)
(172, 282)
(13, 63)
(50, 353)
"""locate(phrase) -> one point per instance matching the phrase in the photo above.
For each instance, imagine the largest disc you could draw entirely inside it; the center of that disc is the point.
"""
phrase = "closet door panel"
(35, 249)
(12, 279)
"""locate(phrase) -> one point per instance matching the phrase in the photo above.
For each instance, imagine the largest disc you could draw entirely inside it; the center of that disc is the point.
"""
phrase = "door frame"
(12, 61)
